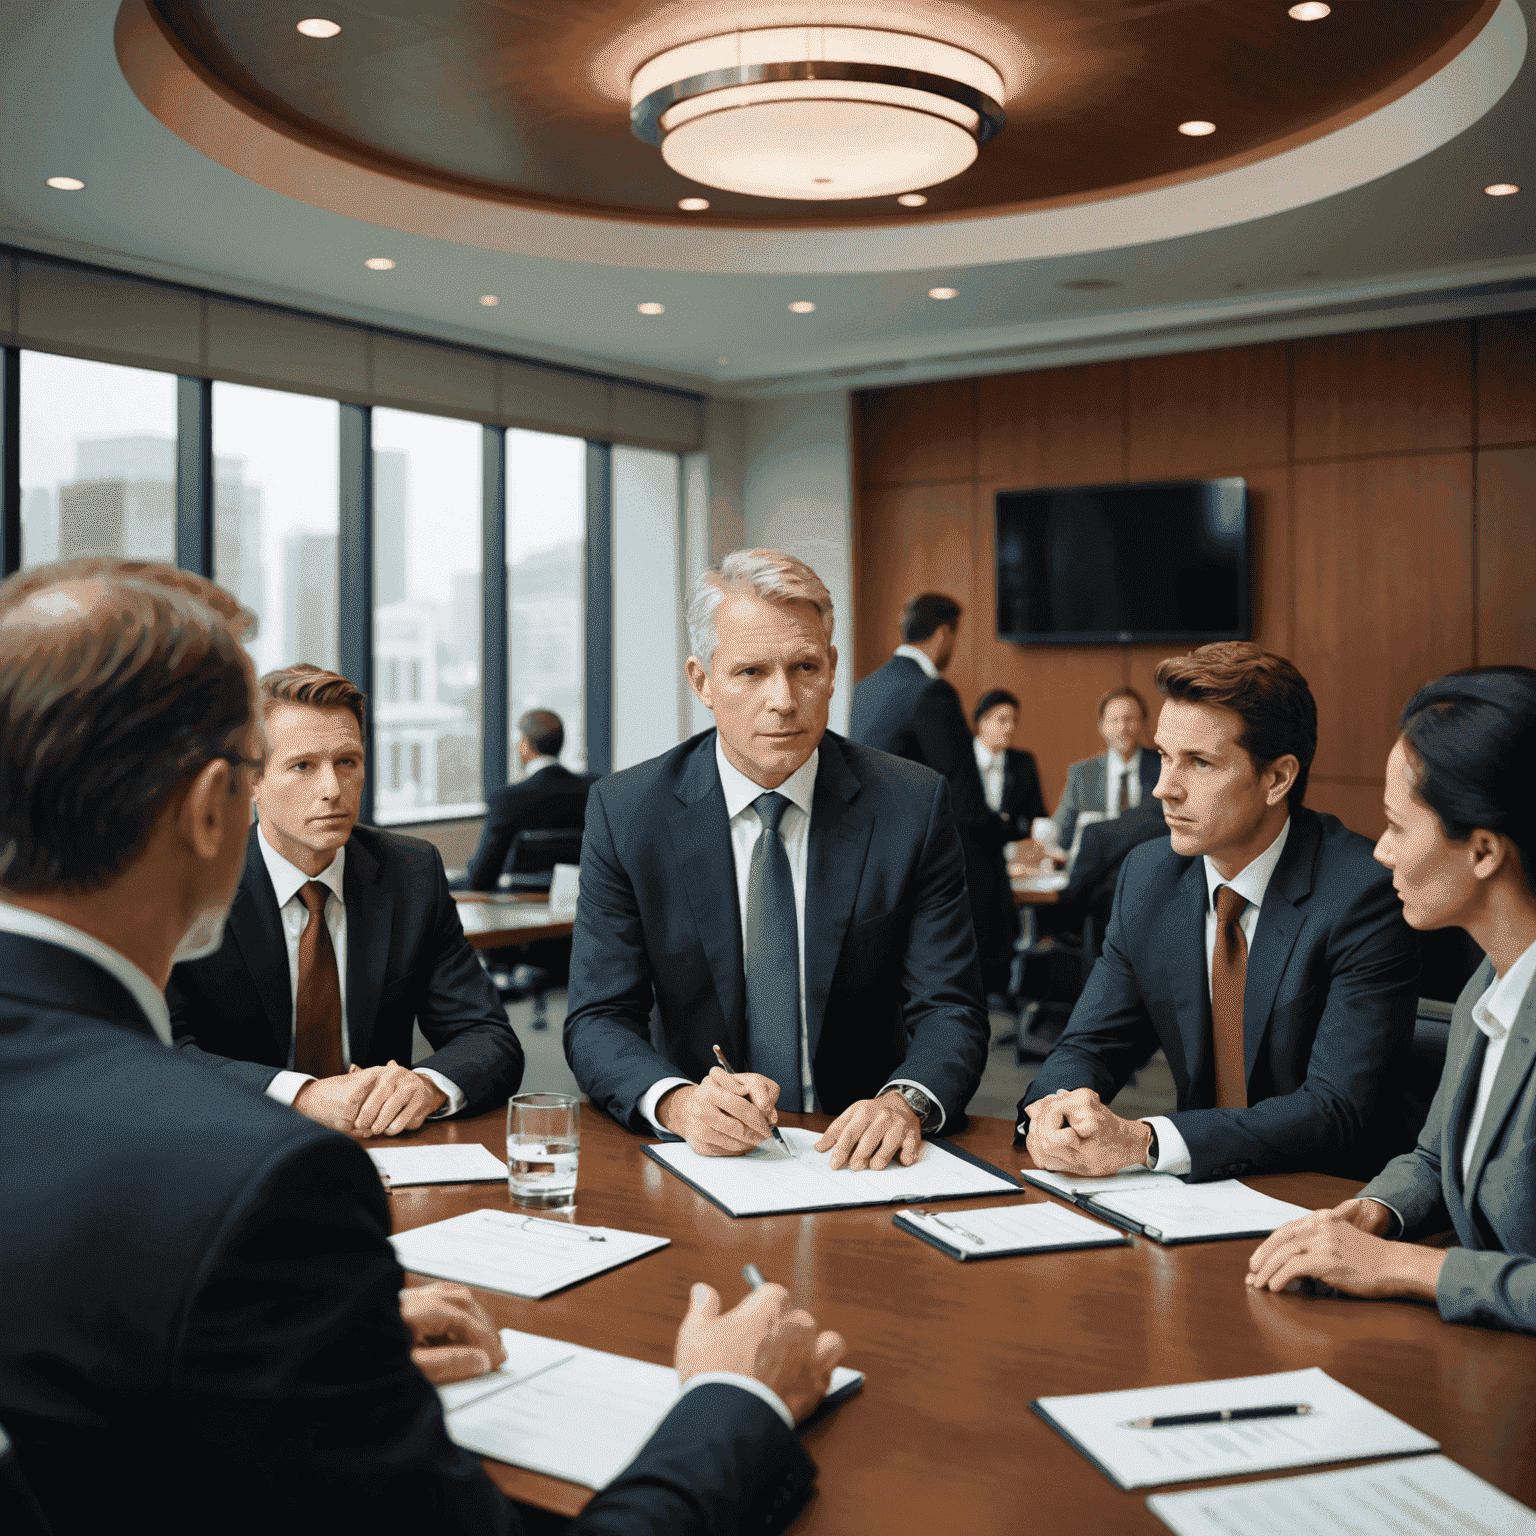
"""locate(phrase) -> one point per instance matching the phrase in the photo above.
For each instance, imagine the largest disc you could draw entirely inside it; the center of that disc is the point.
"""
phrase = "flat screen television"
(1111, 564)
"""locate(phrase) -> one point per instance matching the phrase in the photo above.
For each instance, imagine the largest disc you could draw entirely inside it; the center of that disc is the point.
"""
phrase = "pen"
(917, 1210)
(1220, 1416)
(753, 1276)
(720, 1057)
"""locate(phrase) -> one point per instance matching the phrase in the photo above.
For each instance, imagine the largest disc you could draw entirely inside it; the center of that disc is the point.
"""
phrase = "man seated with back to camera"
(1261, 947)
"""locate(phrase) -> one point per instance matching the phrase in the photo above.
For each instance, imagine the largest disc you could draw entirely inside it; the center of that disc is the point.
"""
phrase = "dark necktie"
(1229, 973)
(317, 1011)
(772, 958)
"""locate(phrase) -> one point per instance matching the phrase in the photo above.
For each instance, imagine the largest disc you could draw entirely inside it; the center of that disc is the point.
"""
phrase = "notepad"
(1168, 1210)
(464, 1163)
(1342, 1426)
(515, 1253)
(570, 1412)
(1428, 1495)
(1000, 1231)
(769, 1181)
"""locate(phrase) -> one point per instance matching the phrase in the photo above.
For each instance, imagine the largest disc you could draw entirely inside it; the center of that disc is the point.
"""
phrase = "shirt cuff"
(653, 1096)
(456, 1099)
(285, 1086)
(747, 1384)
(932, 1097)
(1172, 1150)
(1401, 1224)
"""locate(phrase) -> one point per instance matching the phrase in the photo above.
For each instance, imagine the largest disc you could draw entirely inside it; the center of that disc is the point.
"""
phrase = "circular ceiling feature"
(801, 307)
(1498, 189)
(911, 199)
(943, 293)
(318, 26)
(817, 114)
(379, 264)
(651, 308)
(66, 184)
(1197, 128)
(489, 300)
(1309, 10)
(693, 204)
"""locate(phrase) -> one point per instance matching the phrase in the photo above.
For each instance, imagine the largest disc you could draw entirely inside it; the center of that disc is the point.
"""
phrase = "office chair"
(19, 1511)
(529, 868)
(532, 858)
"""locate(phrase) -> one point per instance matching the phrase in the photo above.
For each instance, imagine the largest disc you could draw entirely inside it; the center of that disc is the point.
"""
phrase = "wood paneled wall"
(1393, 480)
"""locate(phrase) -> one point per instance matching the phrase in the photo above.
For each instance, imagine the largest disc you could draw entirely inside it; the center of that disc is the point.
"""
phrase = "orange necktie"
(317, 1012)
(1229, 973)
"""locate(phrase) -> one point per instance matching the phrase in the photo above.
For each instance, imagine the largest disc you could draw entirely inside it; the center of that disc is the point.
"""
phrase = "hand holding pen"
(727, 1067)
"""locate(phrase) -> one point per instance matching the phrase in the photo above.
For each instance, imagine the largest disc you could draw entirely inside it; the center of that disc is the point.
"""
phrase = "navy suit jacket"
(891, 981)
(407, 961)
(1328, 1008)
(202, 1326)
(552, 798)
(1022, 800)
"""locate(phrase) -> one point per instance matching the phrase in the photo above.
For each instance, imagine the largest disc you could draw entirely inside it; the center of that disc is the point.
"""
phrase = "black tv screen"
(1110, 564)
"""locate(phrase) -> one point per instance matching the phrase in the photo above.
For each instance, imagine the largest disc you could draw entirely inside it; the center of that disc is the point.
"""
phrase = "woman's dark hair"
(1472, 738)
(990, 700)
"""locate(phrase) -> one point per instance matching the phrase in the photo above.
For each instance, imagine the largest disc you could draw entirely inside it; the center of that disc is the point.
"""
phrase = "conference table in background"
(942, 1437)
(495, 921)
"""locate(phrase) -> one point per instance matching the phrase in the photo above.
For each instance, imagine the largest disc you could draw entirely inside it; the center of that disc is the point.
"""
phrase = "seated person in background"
(205, 1327)
(546, 797)
(776, 890)
(340, 938)
(1461, 845)
(1009, 779)
(1260, 946)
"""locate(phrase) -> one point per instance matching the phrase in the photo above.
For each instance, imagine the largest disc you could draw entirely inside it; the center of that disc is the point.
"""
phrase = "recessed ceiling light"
(693, 204)
(379, 263)
(489, 300)
(1498, 189)
(318, 26)
(1310, 10)
(652, 308)
(1197, 128)
(66, 183)
(911, 199)
(801, 307)
(942, 293)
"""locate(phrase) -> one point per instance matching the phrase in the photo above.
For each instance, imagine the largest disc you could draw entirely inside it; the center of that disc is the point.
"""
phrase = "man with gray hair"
(776, 890)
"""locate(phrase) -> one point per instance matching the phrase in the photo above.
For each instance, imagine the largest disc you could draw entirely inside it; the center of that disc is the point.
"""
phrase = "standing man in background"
(906, 708)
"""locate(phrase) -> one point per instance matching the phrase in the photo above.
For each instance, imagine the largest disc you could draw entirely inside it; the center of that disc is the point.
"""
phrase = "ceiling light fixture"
(817, 113)
(379, 263)
(1310, 10)
(942, 293)
(693, 204)
(318, 26)
(1498, 189)
(652, 308)
(66, 184)
(489, 300)
(912, 200)
(801, 307)
(1197, 128)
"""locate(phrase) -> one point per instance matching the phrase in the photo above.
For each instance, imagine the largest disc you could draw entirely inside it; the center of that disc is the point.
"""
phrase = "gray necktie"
(772, 958)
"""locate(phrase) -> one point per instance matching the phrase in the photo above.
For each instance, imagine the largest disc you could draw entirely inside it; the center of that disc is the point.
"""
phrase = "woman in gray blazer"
(1461, 845)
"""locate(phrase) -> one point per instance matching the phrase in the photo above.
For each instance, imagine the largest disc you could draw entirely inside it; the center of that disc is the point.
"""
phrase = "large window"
(275, 503)
(546, 574)
(426, 605)
(98, 460)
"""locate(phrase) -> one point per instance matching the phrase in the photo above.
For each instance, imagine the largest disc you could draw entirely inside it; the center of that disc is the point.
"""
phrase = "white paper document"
(999, 1229)
(569, 1412)
(1427, 1496)
(1167, 1209)
(1342, 1426)
(515, 1253)
(1068, 1184)
(465, 1163)
(768, 1179)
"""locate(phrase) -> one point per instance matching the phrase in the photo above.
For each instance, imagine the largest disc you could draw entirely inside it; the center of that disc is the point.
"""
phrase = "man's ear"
(1281, 775)
(698, 680)
(201, 821)
(832, 662)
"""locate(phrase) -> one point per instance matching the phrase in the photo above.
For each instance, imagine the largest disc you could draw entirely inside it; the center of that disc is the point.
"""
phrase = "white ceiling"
(1418, 242)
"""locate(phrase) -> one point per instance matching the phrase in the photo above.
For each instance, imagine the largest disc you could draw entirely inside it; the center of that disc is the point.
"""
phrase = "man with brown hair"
(340, 938)
(1261, 947)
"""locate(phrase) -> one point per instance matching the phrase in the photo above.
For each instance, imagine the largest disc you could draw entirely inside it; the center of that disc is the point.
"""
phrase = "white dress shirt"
(34, 925)
(922, 658)
(990, 765)
(795, 829)
(1122, 784)
(287, 880)
(539, 764)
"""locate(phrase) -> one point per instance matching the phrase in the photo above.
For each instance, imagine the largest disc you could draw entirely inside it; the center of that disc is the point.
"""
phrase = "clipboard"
(965, 1255)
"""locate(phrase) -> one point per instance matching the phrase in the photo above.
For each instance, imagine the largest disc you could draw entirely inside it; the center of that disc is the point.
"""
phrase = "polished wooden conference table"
(942, 1438)
(493, 921)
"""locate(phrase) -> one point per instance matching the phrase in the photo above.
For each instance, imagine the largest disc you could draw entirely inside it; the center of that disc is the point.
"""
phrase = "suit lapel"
(1151, 771)
(256, 927)
(839, 843)
(370, 912)
(1096, 783)
(1274, 937)
(1508, 1083)
(1183, 945)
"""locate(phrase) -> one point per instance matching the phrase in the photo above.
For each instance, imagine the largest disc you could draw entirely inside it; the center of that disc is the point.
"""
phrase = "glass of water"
(543, 1142)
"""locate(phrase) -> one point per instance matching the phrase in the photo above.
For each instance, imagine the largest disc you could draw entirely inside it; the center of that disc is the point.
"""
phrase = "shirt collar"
(539, 764)
(740, 791)
(985, 758)
(288, 878)
(1123, 765)
(1494, 1012)
(922, 658)
(36, 925)
(1252, 880)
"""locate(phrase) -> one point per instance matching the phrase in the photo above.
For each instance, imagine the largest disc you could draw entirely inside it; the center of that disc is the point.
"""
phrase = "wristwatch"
(921, 1105)
(1152, 1145)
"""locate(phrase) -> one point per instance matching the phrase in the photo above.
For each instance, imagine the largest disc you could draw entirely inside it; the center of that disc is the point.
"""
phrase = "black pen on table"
(720, 1057)
(1220, 1416)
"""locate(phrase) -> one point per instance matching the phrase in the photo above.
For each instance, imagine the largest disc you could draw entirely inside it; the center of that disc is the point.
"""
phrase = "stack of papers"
(1339, 1426)
(770, 1181)
(463, 1163)
(517, 1254)
(569, 1412)
(996, 1231)
(1168, 1210)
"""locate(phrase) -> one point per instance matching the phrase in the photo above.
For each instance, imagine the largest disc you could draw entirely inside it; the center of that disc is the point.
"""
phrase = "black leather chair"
(19, 1512)
(533, 855)
(534, 970)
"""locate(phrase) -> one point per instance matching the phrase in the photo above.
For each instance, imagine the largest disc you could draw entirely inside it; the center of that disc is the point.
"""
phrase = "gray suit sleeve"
(1068, 807)
(1497, 1290)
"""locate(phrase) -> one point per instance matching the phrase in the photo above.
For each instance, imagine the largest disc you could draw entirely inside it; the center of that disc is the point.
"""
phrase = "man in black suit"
(204, 1325)
(776, 890)
(322, 899)
(1261, 946)
(1010, 781)
(906, 708)
(547, 797)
